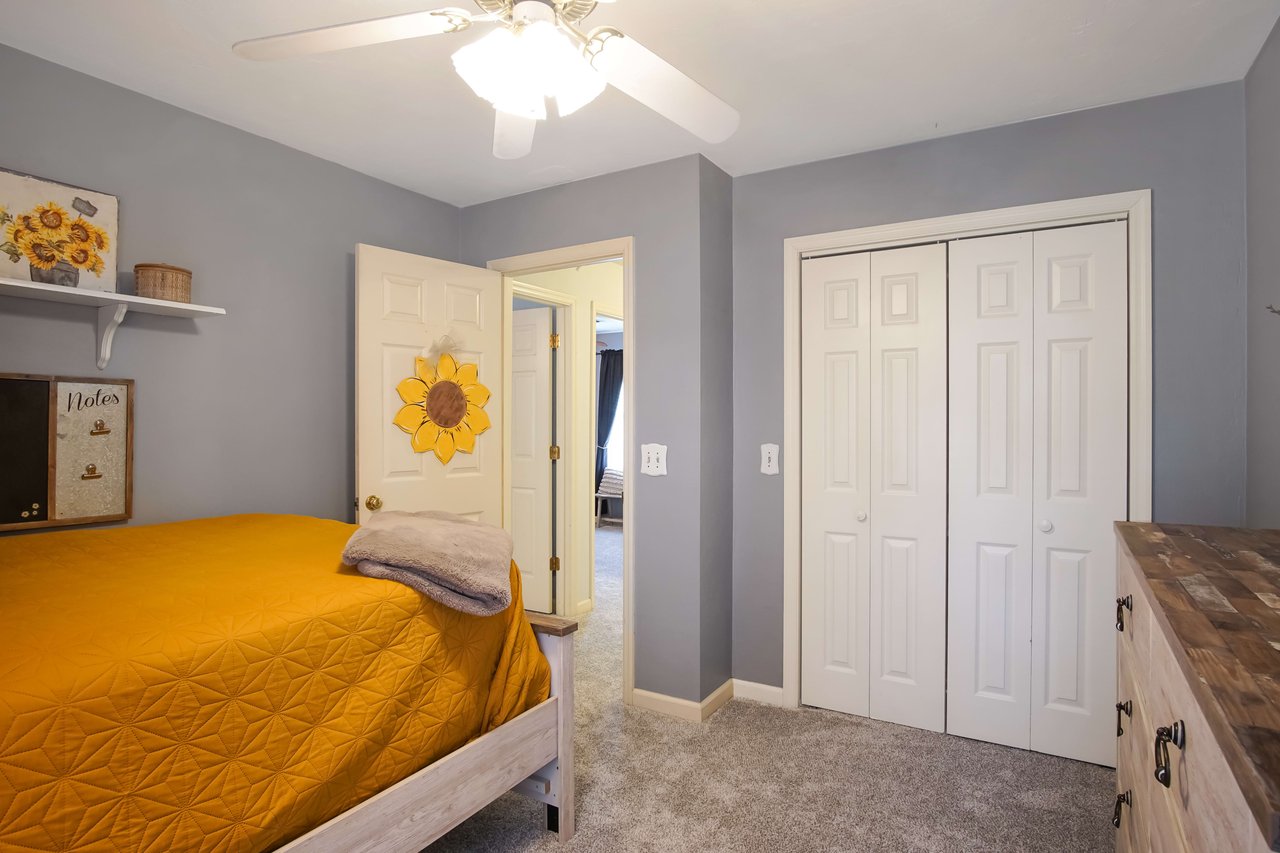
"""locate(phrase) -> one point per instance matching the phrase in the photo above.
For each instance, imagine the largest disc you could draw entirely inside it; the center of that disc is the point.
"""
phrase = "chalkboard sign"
(66, 450)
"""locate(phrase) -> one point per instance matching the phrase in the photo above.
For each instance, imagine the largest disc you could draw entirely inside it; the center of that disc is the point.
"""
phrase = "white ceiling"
(812, 78)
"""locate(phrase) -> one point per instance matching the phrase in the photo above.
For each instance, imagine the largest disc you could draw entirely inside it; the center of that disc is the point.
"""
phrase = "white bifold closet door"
(1038, 475)
(873, 484)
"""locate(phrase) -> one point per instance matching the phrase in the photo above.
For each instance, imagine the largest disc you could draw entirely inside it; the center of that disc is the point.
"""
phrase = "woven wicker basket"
(162, 281)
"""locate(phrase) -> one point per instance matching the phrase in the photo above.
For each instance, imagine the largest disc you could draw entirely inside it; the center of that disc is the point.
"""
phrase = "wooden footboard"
(553, 784)
(532, 754)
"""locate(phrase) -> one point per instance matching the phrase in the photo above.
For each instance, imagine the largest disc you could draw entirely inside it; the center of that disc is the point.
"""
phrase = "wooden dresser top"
(1218, 590)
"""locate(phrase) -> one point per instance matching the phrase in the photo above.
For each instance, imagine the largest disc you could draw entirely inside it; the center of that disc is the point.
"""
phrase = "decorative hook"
(445, 345)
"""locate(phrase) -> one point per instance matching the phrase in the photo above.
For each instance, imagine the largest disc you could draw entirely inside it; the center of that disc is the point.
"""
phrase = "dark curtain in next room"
(607, 404)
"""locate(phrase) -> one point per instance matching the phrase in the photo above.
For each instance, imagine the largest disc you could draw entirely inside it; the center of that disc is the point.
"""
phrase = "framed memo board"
(66, 450)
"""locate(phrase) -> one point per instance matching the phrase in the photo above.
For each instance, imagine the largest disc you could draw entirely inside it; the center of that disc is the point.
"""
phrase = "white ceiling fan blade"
(358, 34)
(512, 135)
(651, 80)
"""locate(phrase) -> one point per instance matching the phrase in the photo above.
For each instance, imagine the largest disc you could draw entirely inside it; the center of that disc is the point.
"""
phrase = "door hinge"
(555, 340)
(555, 453)
(555, 564)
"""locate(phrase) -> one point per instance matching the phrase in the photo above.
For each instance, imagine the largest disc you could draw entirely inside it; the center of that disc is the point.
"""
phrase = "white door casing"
(531, 466)
(836, 482)
(990, 514)
(1080, 455)
(404, 305)
(908, 462)
(568, 256)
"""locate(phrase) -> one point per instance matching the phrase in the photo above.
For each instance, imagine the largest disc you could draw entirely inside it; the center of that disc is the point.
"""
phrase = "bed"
(227, 684)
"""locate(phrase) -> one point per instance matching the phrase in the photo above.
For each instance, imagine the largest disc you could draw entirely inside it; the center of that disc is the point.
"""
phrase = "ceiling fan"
(538, 51)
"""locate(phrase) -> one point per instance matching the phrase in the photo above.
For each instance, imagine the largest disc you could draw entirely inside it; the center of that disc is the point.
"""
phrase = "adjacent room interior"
(620, 425)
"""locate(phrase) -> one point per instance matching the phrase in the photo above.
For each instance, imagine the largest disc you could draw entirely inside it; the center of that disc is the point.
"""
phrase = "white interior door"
(1081, 484)
(908, 461)
(531, 440)
(836, 482)
(405, 304)
(990, 514)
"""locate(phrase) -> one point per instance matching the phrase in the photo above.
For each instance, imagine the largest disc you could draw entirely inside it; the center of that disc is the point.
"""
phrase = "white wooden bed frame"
(532, 754)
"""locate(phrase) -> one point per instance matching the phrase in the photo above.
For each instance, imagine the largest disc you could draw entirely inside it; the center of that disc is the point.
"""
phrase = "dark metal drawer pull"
(1165, 735)
(1123, 604)
(1122, 800)
(1126, 708)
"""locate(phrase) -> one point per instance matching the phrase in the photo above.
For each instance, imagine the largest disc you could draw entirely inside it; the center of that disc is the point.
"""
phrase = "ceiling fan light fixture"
(516, 70)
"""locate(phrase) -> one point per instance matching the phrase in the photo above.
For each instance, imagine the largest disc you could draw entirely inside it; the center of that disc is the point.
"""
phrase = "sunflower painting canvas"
(52, 233)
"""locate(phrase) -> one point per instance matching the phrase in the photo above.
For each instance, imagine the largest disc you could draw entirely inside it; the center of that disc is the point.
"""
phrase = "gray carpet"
(755, 777)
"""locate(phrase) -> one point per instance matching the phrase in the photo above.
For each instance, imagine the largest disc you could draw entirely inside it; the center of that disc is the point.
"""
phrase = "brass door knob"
(373, 503)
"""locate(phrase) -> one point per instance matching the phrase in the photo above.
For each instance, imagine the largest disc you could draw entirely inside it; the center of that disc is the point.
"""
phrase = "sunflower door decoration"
(443, 407)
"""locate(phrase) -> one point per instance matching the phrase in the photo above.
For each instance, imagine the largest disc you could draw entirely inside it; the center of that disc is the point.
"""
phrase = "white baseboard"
(757, 692)
(683, 709)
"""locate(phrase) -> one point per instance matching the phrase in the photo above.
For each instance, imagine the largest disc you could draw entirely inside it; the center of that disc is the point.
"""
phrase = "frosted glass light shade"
(518, 71)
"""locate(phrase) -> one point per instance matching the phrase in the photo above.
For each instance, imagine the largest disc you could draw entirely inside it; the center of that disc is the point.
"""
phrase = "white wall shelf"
(112, 307)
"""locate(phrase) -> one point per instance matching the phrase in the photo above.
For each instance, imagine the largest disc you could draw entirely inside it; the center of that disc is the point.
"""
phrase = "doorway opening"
(611, 460)
(588, 290)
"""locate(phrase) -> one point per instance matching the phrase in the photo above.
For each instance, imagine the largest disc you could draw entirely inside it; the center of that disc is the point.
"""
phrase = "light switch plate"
(653, 460)
(769, 459)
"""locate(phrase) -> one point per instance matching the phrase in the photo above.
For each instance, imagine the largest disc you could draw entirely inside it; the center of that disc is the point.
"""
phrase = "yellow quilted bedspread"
(227, 684)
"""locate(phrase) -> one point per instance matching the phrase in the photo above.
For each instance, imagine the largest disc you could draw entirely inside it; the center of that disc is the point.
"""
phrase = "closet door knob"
(1046, 526)
(373, 503)
(862, 516)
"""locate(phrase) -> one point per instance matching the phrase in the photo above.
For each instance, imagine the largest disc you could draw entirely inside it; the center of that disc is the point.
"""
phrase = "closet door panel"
(908, 485)
(1080, 458)
(990, 488)
(835, 481)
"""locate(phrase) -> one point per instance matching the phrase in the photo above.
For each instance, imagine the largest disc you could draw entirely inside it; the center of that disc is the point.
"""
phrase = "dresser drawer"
(1134, 639)
(1152, 821)
(1203, 797)
(1133, 834)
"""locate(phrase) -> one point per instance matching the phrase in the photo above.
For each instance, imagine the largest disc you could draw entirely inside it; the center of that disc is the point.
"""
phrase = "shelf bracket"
(109, 319)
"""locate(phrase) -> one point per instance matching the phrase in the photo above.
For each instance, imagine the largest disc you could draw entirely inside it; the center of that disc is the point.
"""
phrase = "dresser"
(1198, 689)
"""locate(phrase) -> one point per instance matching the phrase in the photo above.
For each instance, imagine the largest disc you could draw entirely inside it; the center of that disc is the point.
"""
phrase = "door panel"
(531, 440)
(990, 508)
(1080, 465)
(835, 480)
(404, 305)
(908, 515)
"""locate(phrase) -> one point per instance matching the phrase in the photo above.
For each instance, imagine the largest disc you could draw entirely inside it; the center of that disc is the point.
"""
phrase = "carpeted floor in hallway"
(756, 777)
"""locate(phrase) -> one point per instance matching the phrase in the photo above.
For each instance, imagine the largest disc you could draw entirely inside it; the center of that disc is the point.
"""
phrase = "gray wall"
(661, 207)
(716, 200)
(1188, 148)
(1262, 88)
(269, 233)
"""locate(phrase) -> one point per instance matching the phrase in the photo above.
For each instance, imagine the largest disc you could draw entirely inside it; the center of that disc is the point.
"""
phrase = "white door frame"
(574, 256)
(562, 310)
(1134, 207)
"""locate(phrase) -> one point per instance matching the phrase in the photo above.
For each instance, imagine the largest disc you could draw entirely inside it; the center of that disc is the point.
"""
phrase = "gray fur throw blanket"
(463, 564)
